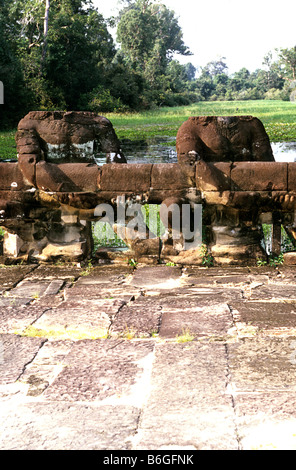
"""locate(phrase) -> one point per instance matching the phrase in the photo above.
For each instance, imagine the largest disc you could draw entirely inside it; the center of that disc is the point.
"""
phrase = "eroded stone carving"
(65, 137)
(223, 139)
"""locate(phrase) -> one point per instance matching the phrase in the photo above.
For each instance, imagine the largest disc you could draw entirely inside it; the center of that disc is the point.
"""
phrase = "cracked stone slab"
(11, 300)
(17, 319)
(15, 353)
(157, 277)
(263, 364)
(67, 426)
(266, 421)
(80, 319)
(207, 293)
(268, 317)
(115, 275)
(222, 278)
(104, 369)
(187, 405)
(272, 292)
(139, 319)
(213, 320)
(11, 275)
(100, 291)
(45, 367)
(36, 289)
(50, 272)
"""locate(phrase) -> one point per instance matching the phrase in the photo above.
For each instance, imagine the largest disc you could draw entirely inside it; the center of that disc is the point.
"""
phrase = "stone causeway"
(154, 358)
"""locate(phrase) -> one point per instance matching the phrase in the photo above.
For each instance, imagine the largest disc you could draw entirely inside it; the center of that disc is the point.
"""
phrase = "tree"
(16, 97)
(79, 48)
(217, 67)
(287, 58)
(190, 71)
(205, 84)
(64, 48)
(149, 35)
(45, 30)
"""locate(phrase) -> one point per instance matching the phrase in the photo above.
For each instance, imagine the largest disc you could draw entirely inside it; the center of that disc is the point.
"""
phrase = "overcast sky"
(241, 31)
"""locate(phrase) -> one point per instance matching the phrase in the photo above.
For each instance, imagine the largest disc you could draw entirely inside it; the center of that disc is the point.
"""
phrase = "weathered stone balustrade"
(50, 197)
(48, 212)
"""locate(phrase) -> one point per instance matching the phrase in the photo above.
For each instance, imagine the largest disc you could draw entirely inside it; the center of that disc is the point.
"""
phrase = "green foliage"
(149, 35)
(207, 259)
(185, 336)
(76, 64)
(273, 261)
(87, 270)
(276, 260)
(278, 118)
(100, 100)
(103, 236)
(133, 263)
(7, 145)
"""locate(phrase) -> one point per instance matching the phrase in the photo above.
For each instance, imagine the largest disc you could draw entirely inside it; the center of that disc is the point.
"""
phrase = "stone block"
(172, 176)
(70, 219)
(66, 177)
(11, 177)
(213, 176)
(12, 244)
(75, 250)
(214, 197)
(259, 176)
(292, 176)
(290, 258)
(27, 166)
(123, 177)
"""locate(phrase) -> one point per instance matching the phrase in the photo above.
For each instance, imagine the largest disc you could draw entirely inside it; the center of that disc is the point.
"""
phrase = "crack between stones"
(44, 340)
(20, 280)
(136, 438)
(228, 388)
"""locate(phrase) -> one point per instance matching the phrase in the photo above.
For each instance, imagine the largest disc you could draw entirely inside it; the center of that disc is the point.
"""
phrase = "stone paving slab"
(114, 274)
(94, 361)
(266, 421)
(80, 319)
(33, 289)
(11, 275)
(64, 426)
(16, 352)
(140, 319)
(267, 317)
(196, 321)
(15, 319)
(160, 277)
(263, 364)
(50, 272)
(100, 369)
(187, 405)
(99, 291)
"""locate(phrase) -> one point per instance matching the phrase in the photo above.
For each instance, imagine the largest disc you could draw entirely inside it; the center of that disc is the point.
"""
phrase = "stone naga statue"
(223, 139)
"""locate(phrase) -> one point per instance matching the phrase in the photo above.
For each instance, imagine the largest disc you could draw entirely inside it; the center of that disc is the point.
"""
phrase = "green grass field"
(278, 117)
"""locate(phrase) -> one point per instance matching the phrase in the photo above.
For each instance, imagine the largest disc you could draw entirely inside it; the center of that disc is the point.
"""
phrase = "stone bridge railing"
(52, 216)
(52, 194)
